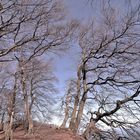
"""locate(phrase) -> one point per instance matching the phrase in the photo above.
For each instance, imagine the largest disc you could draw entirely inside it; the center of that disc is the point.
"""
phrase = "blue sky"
(65, 65)
(79, 9)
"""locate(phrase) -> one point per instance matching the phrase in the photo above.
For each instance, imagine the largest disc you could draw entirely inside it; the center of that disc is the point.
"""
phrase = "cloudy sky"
(83, 11)
(66, 63)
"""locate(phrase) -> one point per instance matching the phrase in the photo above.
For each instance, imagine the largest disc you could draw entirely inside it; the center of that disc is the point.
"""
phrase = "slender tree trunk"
(81, 107)
(28, 117)
(76, 103)
(84, 96)
(11, 111)
(25, 98)
(28, 123)
(9, 129)
(63, 125)
(2, 121)
(80, 111)
(68, 100)
(30, 129)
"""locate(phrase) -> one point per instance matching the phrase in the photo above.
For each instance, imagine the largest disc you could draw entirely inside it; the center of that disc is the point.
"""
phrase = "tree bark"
(84, 95)
(66, 110)
(28, 122)
(2, 122)
(80, 112)
(92, 130)
(28, 117)
(30, 130)
(8, 128)
(63, 125)
(76, 103)
(11, 112)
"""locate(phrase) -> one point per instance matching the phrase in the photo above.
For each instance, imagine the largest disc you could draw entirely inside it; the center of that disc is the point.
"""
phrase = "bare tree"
(109, 70)
(41, 89)
(45, 19)
(8, 100)
(11, 111)
(70, 94)
(30, 29)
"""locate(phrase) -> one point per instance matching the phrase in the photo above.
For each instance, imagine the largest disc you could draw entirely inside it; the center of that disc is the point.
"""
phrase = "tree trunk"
(28, 123)
(28, 117)
(84, 95)
(30, 129)
(2, 122)
(67, 102)
(92, 131)
(76, 103)
(80, 112)
(63, 125)
(11, 111)
(9, 129)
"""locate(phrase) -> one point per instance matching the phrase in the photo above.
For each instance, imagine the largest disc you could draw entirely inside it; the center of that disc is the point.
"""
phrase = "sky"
(66, 64)
(82, 10)
(79, 9)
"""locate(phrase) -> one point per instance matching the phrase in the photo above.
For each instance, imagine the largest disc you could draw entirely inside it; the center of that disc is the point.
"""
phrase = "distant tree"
(67, 102)
(40, 89)
(11, 103)
(8, 91)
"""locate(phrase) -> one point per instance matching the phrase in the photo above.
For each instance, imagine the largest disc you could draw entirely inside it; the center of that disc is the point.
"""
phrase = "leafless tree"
(30, 29)
(8, 100)
(11, 111)
(41, 89)
(36, 27)
(109, 70)
(67, 102)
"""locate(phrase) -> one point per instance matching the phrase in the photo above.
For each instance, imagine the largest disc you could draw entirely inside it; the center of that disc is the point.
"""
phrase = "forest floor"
(44, 132)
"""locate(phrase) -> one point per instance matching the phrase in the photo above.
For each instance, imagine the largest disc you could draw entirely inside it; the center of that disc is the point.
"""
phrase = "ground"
(44, 132)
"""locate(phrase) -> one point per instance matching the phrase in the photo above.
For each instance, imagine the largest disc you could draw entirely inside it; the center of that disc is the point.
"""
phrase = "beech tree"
(68, 101)
(28, 30)
(45, 19)
(40, 89)
(108, 73)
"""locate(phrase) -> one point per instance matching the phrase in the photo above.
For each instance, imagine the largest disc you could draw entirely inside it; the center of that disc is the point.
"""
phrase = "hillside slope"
(44, 132)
